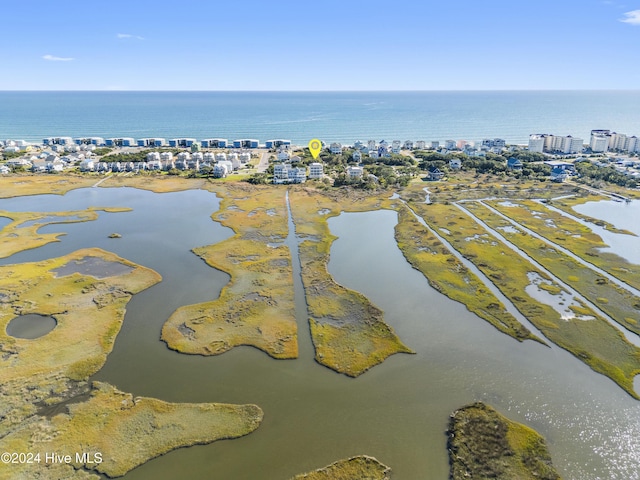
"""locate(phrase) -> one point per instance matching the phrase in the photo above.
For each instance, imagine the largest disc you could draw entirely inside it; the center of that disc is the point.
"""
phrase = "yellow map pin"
(315, 147)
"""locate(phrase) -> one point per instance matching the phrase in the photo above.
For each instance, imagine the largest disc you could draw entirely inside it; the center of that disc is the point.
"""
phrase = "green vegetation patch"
(590, 284)
(348, 331)
(355, 468)
(257, 307)
(450, 277)
(119, 432)
(484, 444)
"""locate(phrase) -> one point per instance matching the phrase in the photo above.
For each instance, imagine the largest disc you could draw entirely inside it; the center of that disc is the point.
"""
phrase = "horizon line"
(330, 91)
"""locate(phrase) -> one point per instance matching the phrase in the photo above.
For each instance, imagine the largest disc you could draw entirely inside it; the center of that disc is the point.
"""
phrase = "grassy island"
(355, 468)
(348, 332)
(484, 444)
(125, 431)
(257, 307)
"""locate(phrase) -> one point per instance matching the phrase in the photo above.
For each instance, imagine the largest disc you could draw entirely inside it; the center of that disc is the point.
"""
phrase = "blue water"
(331, 116)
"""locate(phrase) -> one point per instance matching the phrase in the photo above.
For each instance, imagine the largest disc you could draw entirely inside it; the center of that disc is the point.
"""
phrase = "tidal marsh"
(257, 307)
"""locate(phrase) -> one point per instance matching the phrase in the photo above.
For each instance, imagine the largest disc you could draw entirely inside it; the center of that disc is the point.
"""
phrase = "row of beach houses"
(162, 142)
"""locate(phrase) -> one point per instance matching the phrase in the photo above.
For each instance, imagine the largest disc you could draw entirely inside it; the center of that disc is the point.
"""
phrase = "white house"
(297, 175)
(220, 170)
(355, 172)
(335, 148)
(281, 173)
(245, 157)
(316, 170)
(357, 156)
(455, 164)
(4, 170)
(283, 156)
(421, 145)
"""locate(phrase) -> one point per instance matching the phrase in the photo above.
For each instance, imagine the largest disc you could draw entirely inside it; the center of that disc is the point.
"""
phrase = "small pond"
(31, 326)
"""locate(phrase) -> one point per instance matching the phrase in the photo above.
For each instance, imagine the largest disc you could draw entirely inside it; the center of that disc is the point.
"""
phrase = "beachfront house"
(182, 142)
(277, 143)
(335, 148)
(357, 156)
(246, 143)
(120, 142)
(96, 141)
(57, 141)
(152, 142)
(214, 143)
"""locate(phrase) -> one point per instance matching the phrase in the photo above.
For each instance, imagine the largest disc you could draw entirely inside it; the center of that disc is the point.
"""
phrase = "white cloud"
(53, 58)
(632, 17)
(128, 35)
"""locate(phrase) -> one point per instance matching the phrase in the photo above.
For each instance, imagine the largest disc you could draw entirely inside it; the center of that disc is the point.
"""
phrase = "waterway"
(398, 411)
(622, 215)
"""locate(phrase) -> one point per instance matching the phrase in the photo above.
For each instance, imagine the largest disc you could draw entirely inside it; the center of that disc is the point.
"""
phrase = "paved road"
(264, 163)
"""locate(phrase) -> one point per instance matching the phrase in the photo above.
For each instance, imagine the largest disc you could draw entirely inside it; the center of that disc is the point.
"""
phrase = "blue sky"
(323, 45)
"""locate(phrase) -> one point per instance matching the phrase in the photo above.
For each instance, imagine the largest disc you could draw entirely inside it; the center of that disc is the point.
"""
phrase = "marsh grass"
(126, 430)
(257, 307)
(356, 468)
(595, 342)
(586, 246)
(567, 204)
(348, 332)
(88, 312)
(618, 304)
(17, 237)
(450, 277)
(38, 184)
(484, 444)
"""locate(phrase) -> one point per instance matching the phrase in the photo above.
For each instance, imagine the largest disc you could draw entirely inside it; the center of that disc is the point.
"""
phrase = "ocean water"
(331, 116)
